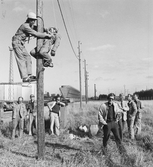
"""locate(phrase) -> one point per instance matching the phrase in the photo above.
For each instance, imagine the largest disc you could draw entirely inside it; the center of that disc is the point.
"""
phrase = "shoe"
(26, 79)
(32, 77)
(32, 80)
(50, 132)
(51, 65)
(52, 53)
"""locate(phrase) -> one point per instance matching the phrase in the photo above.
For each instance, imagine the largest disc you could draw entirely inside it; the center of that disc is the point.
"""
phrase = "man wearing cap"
(49, 45)
(124, 107)
(109, 115)
(131, 116)
(32, 111)
(24, 32)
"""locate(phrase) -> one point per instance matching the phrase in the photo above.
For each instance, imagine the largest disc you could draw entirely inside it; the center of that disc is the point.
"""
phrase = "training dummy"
(24, 32)
(49, 46)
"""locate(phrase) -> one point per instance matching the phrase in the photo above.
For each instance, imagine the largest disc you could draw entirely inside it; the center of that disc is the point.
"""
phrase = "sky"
(116, 41)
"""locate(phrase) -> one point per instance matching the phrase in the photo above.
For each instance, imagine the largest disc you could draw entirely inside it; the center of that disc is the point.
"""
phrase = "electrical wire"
(66, 29)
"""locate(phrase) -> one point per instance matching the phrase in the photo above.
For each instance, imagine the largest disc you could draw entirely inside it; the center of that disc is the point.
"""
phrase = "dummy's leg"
(47, 61)
(56, 44)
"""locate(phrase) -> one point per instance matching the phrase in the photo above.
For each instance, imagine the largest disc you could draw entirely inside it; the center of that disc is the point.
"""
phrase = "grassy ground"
(80, 152)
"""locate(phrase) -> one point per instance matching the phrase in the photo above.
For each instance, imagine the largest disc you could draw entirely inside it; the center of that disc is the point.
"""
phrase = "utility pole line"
(79, 55)
(86, 81)
(95, 91)
(85, 77)
(124, 91)
(11, 76)
(40, 86)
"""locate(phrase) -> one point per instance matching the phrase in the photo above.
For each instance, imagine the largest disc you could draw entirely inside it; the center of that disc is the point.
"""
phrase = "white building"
(12, 91)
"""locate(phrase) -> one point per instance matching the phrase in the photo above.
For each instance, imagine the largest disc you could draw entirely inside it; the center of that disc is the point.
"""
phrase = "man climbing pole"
(49, 45)
(23, 59)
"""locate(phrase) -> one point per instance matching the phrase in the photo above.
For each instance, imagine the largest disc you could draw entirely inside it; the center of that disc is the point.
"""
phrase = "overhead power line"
(66, 29)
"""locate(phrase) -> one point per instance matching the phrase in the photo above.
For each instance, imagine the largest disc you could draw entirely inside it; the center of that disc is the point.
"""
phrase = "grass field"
(80, 152)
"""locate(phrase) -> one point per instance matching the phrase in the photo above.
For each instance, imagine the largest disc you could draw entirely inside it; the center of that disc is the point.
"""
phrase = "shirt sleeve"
(126, 107)
(29, 30)
(51, 105)
(134, 108)
(101, 114)
(141, 105)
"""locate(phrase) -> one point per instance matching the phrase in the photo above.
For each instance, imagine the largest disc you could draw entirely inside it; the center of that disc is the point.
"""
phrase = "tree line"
(143, 95)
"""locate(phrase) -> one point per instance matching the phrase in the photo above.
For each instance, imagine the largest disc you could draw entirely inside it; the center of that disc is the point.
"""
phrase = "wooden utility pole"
(86, 81)
(87, 76)
(95, 91)
(79, 53)
(40, 86)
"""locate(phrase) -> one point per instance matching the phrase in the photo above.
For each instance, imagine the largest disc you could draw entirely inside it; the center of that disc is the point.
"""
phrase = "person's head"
(111, 97)
(32, 97)
(121, 96)
(135, 96)
(31, 18)
(20, 100)
(52, 30)
(58, 99)
(129, 97)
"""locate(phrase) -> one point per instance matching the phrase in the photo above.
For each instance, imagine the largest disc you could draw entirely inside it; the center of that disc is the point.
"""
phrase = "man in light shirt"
(124, 107)
(54, 108)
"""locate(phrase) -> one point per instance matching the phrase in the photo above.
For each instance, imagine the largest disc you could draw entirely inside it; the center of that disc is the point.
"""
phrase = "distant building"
(11, 92)
(68, 92)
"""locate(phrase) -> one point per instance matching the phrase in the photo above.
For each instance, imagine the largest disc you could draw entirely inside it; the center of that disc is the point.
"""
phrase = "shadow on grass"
(145, 142)
(23, 154)
(60, 146)
(126, 160)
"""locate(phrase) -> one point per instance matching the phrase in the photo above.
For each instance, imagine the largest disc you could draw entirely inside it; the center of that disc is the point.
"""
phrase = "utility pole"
(40, 86)
(95, 91)
(124, 91)
(11, 76)
(86, 81)
(79, 55)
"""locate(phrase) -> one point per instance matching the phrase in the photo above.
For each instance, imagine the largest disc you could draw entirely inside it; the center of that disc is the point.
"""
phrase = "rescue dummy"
(49, 46)
(23, 59)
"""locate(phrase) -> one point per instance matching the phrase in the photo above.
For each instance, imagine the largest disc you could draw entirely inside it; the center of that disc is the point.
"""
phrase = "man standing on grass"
(124, 107)
(109, 114)
(131, 116)
(32, 111)
(140, 107)
(18, 115)
(54, 108)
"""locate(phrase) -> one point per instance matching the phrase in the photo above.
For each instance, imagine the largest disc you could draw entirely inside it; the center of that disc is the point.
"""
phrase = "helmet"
(31, 15)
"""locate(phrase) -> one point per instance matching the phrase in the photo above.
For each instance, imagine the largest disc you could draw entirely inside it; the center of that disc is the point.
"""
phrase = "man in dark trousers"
(109, 114)
(32, 111)
(54, 108)
(18, 115)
